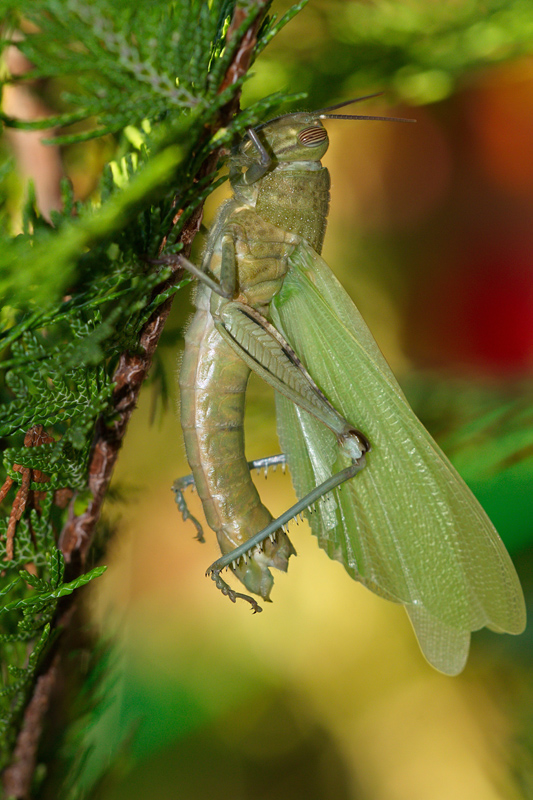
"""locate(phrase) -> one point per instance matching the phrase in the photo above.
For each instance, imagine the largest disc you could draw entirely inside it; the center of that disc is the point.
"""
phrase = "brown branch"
(78, 533)
(16, 780)
(132, 369)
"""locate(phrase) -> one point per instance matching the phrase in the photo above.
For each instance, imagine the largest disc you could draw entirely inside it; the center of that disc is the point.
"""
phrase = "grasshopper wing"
(406, 526)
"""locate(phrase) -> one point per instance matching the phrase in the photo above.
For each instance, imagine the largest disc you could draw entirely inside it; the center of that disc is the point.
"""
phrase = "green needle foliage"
(80, 292)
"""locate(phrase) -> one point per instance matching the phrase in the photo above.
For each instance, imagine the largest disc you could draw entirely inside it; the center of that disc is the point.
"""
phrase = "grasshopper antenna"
(321, 112)
(349, 102)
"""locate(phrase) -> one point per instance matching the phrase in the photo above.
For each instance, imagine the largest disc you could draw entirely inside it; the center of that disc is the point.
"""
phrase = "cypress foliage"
(84, 301)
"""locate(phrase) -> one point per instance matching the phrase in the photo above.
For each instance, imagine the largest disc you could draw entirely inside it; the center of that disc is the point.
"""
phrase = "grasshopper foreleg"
(258, 169)
(226, 288)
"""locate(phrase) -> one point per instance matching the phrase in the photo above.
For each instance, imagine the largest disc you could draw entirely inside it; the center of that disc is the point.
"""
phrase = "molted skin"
(267, 219)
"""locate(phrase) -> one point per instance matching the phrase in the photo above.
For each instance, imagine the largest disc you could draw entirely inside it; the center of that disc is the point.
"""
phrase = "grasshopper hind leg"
(252, 548)
(177, 487)
(187, 481)
(180, 484)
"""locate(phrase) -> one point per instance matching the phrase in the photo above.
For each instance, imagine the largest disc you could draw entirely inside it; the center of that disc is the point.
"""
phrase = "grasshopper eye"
(310, 137)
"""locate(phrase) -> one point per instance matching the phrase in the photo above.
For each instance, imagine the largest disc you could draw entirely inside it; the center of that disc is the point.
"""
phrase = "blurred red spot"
(477, 315)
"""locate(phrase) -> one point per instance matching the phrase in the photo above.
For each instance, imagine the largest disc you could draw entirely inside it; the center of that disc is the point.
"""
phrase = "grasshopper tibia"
(267, 462)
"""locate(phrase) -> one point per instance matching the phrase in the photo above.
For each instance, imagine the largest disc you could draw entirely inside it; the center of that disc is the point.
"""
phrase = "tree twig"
(16, 779)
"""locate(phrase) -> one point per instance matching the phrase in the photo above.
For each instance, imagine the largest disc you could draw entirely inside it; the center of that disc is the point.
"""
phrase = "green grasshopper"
(379, 494)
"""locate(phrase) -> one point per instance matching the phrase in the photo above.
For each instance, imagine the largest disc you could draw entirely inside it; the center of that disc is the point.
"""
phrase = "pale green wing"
(406, 526)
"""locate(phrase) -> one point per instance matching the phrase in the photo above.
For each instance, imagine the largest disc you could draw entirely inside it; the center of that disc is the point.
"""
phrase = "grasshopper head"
(295, 137)
(291, 137)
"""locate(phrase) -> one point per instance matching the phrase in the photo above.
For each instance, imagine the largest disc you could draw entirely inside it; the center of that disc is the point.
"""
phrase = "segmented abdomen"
(213, 383)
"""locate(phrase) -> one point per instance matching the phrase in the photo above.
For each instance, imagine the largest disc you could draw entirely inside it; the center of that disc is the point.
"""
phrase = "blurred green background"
(326, 694)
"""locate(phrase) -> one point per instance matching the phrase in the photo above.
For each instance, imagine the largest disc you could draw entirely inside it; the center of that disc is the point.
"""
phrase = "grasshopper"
(386, 501)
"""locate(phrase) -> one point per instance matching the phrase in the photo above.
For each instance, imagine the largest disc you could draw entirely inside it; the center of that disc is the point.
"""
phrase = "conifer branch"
(133, 367)
(117, 403)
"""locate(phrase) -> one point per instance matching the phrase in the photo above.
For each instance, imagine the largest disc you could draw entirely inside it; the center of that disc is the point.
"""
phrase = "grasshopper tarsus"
(183, 508)
(226, 590)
